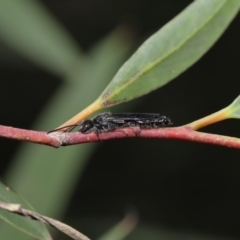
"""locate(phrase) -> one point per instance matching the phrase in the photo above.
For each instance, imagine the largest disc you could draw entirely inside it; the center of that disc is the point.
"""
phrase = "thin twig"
(16, 208)
(29, 136)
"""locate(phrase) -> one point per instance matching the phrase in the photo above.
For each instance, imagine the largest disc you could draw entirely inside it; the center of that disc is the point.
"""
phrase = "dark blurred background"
(178, 187)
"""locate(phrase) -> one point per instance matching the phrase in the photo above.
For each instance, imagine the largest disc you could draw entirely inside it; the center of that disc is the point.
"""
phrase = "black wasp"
(105, 122)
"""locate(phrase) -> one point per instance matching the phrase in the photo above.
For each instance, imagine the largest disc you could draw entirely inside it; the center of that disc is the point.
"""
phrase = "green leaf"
(233, 110)
(170, 51)
(33, 228)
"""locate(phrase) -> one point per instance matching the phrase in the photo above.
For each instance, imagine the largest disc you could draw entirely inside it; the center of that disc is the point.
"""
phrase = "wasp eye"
(164, 121)
(168, 121)
(86, 126)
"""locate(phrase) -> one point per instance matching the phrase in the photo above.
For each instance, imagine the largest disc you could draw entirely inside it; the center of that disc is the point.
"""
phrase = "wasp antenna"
(55, 130)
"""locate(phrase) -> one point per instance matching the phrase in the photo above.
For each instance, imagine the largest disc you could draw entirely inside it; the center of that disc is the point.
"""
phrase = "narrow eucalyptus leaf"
(234, 108)
(171, 50)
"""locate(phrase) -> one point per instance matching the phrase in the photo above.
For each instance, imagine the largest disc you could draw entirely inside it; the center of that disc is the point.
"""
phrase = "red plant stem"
(57, 139)
(28, 135)
(178, 133)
